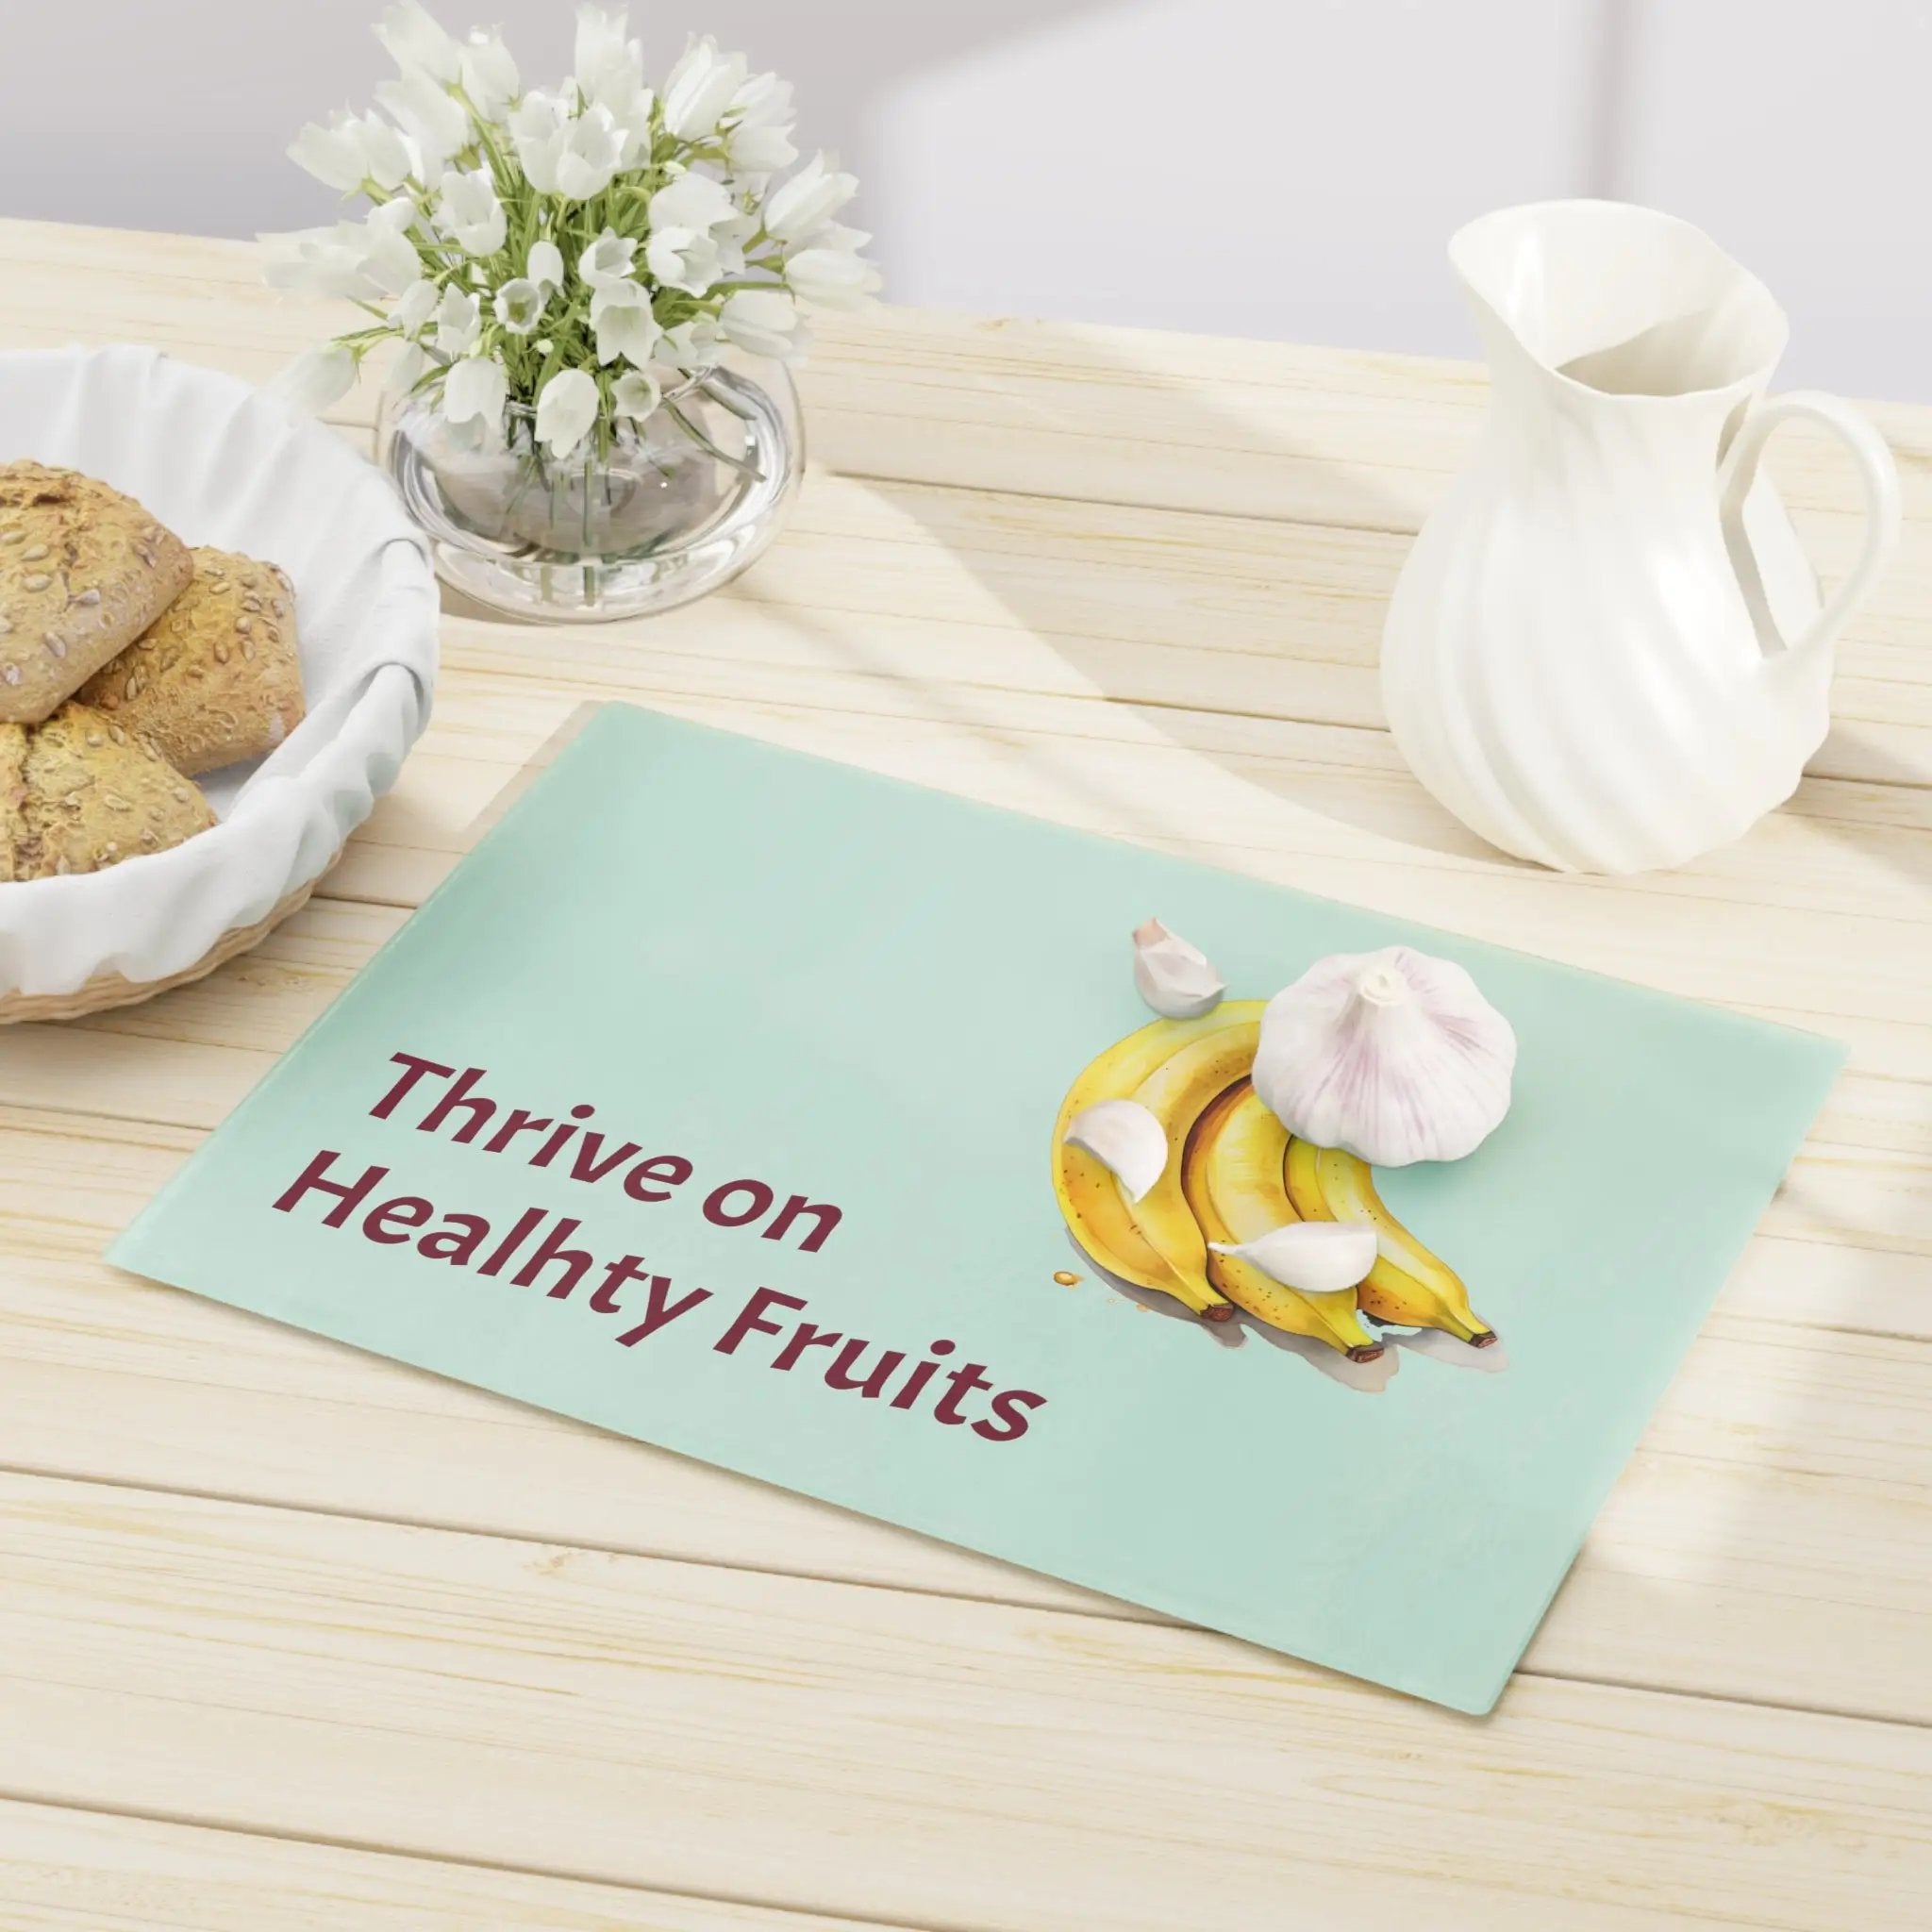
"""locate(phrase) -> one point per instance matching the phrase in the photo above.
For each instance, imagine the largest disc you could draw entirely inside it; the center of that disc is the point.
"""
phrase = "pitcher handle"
(1876, 472)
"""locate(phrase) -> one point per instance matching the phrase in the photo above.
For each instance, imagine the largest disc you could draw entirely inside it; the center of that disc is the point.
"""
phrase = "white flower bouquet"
(574, 260)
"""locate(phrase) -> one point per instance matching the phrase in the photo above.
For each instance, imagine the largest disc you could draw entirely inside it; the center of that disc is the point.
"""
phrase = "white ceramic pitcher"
(1606, 651)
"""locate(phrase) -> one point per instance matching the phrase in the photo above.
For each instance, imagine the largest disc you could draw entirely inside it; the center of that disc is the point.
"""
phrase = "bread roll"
(79, 793)
(83, 572)
(13, 800)
(216, 677)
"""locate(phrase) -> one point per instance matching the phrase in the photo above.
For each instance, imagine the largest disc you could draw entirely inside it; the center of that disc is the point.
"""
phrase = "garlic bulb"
(1175, 977)
(1125, 1138)
(1393, 1056)
(1311, 1256)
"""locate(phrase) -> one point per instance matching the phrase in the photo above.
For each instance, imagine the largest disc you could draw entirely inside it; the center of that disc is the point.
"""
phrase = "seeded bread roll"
(83, 572)
(79, 793)
(215, 677)
(12, 800)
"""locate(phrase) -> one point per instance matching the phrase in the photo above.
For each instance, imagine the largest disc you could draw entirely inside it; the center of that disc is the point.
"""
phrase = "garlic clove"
(1176, 979)
(1311, 1257)
(1126, 1139)
(1394, 1057)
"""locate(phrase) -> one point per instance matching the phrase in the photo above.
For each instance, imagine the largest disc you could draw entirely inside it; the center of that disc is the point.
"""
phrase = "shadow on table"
(1304, 725)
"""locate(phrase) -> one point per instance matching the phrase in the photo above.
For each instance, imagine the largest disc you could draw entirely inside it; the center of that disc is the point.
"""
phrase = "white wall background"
(1284, 167)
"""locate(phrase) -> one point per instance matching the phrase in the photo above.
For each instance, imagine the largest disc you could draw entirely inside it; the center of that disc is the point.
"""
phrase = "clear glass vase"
(674, 508)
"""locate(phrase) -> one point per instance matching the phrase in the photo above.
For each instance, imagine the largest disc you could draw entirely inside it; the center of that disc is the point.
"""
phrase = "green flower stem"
(741, 464)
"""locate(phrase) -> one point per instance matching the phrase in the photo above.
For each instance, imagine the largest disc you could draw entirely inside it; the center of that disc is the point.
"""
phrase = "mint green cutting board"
(844, 992)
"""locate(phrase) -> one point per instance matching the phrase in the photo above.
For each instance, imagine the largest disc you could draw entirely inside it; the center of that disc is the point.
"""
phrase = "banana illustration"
(1408, 1286)
(1177, 1092)
(1232, 1175)
(1101, 1219)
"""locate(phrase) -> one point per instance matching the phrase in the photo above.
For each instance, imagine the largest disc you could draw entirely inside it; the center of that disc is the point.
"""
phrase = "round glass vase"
(671, 509)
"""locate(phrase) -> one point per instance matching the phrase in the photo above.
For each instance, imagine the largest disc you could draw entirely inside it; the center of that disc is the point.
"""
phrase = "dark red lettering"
(659, 1310)
(629, 1267)
(673, 1169)
(480, 1111)
(825, 1218)
(751, 1319)
(348, 1198)
(963, 1380)
(807, 1334)
(558, 1140)
(405, 1212)
(456, 1248)
(839, 1375)
(714, 1203)
(1009, 1406)
(517, 1122)
(386, 1106)
(551, 1251)
(526, 1223)
(588, 1167)
(909, 1392)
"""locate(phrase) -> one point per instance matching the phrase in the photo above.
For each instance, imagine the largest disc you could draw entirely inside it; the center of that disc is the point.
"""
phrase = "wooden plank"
(201, 299)
(1278, 818)
(1107, 415)
(1118, 415)
(1328, 810)
(1300, 821)
(1773, 1538)
(1207, 587)
(1839, 846)
(1857, 844)
(861, 1751)
(988, 528)
(68, 1870)
(880, 590)
(1201, 806)
(1863, 1180)
(1768, 1540)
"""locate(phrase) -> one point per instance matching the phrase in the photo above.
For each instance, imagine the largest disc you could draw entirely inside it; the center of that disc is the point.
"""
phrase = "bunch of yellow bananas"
(1234, 1173)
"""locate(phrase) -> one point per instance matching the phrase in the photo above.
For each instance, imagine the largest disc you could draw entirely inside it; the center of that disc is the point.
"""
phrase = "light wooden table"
(293, 1637)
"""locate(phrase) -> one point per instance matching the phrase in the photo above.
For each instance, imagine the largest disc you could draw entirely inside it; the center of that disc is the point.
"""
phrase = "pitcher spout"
(1611, 300)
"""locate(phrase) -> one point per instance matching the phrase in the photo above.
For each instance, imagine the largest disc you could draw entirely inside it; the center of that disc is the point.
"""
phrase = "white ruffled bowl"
(220, 463)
